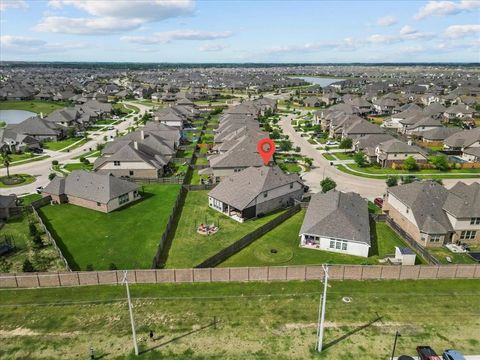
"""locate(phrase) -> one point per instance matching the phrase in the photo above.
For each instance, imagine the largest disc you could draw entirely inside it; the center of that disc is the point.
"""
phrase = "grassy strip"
(274, 320)
(36, 106)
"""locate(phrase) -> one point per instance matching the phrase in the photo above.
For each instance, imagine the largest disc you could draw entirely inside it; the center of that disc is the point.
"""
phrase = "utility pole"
(323, 302)
(130, 309)
(397, 335)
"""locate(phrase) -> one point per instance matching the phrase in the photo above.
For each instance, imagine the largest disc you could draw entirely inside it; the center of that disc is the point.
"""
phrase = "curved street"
(367, 187)
(42, 168)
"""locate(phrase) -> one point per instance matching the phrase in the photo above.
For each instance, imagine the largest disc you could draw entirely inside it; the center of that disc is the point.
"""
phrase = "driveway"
(369, 188)
(41, 169)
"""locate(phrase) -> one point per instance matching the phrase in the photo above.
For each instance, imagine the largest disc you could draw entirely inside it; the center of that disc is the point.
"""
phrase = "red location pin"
(266, 148)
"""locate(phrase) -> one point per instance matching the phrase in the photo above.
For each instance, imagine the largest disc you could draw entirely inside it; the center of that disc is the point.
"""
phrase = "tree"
(327, 184)
(27, 266)
(440, 162)
(37, 241)
(360, 159)
(6, 162)
(286, 145)
(408, 179)
(71, 132)
(392, 181)
(308, 162)
(51, 176)
(410, 164)
(346, 143)
(275, 134)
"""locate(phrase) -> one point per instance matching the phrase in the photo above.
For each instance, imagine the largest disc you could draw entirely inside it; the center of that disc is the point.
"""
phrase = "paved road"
(41, 169)
(369, 188)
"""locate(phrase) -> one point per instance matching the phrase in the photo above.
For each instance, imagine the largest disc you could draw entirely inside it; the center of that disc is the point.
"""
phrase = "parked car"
(452, 355)
(111, 127)
(331, 142)
(37, 150)
(39, 189)
(378, 201)
(427, 353)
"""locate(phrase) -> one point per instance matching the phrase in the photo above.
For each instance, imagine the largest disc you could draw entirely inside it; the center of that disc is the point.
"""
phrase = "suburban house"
(313, 101)
(368, 144)
(38, 128)
(433, 215)
(14, 142)
(103, 193)
(394, 151)
(254, 192)
(173, 117)
(338, 222)
(131, 159)
(459, 111)
(466, 142)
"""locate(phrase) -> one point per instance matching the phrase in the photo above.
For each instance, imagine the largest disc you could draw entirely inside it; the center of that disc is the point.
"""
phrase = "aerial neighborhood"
(373, 170)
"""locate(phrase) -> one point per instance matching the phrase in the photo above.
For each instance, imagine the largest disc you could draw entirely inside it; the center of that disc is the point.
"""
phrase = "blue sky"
(240, 31)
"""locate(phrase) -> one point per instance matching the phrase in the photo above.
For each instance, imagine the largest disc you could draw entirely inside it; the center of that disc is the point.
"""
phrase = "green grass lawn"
(190, 248)
(28, 199)
(61, 144)
(44, 258)
(201, 161)
(380, 173)
(441, 254)
(88, 154)
(26, 179)
(256, 320)
(78, 166)
(343, 156)
(36, 106)
(328, 156)
(20, 159)
(284, 238)
(127, 237)
(289, 167)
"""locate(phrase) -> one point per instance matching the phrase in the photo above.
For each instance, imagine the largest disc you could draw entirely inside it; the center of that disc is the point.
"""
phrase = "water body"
(322, 81)
(15, 116)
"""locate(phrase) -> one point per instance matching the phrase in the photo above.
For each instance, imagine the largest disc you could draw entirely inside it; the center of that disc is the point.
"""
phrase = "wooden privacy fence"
(50, 237)
(238, 245)
(167, 236)
(241, 274)
(415, 245)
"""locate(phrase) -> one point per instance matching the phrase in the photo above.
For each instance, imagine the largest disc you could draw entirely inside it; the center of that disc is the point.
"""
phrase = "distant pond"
(322, 81)
(15, 116)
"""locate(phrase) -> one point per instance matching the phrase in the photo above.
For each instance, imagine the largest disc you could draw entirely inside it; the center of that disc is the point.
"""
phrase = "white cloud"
(113, 16)
(346, 44)
(383, 39)
(212, 47)
(460, 31)
(169, 36)
(28, 45)
(406, 33)
(13, 4)
(442, 8)
(387, 21)
(406, 30)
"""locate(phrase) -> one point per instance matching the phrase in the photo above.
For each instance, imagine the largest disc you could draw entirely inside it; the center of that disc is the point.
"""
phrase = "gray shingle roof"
(425, 199)
(338, 215)
(239, 189)
(463, 200)
(90, 186)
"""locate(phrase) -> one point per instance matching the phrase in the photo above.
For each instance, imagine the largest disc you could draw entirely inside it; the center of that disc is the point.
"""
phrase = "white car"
(330, 142)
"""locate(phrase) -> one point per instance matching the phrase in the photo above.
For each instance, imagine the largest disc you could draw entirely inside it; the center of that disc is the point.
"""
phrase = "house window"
(338, 245)
(265, 194)
(394, 155)
(130, 173)
(332, 244)
(291, 186)
(435, 238)
(475, 221)
(98, 204)
(344, 246)
(122, 199)
(468, 235)
(116, 163)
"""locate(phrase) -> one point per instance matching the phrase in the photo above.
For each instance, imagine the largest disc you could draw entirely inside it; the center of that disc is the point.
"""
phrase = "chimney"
(142, 135)
(135, 145)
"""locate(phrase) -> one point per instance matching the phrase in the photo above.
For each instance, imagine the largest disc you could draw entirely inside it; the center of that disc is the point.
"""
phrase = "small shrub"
(55, 162)
(51, 176)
